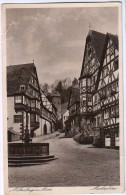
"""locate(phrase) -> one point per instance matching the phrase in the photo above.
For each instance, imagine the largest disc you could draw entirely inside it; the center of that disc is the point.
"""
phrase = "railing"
(28, 149)
(21, 107)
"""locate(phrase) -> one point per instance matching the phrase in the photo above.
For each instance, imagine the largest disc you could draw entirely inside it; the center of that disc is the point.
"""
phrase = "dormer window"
(31, 92)
(22, 87)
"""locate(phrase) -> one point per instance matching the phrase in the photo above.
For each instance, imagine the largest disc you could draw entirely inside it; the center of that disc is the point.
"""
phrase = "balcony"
(20, 107)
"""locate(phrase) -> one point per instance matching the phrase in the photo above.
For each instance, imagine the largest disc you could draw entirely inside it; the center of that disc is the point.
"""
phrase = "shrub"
(83, 140)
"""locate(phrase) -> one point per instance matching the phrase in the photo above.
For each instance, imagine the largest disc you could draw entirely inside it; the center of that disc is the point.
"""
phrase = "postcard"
(63, 98)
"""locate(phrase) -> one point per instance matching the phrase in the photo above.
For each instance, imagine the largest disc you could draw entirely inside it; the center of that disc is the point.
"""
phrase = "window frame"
(18, 119)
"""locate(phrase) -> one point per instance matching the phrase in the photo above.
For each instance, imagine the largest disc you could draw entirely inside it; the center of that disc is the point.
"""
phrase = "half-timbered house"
(28, 108)
(99, 98)
(23, 100)
(48, 116)
(74, 108)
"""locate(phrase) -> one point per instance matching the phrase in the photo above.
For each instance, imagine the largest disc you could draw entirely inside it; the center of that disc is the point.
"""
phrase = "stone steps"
(29, 160)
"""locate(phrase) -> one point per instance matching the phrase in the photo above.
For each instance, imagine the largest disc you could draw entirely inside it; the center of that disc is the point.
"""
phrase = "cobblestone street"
(77, 165)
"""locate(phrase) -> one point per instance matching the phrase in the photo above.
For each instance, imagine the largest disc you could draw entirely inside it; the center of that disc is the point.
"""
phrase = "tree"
(45, 87)
(66, 82)
(59, 87)
(75, 81)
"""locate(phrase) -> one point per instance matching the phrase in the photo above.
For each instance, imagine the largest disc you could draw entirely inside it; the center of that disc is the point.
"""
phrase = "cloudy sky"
(54, 37)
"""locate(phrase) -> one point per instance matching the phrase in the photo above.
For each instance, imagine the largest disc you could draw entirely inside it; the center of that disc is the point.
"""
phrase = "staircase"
(14, 161)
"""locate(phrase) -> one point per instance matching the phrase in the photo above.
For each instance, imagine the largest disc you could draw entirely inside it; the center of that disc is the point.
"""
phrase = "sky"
(54, 37)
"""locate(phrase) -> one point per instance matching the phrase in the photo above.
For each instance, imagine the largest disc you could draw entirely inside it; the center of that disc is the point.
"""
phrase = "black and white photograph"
(63, 98)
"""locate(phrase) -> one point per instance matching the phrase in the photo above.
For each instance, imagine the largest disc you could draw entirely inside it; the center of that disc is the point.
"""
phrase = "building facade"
(74, 108)
(99, 88)
(48, 116)
(23, 100)
(65, 116)
(56, 101)
(27, 111)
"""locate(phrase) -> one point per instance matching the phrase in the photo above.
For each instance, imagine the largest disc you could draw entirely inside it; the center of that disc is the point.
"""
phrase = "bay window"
(18, 99)
(32, 103)
(83, 82)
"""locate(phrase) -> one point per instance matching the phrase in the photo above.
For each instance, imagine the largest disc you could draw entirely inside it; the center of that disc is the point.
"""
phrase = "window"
(37, 118)
(33, 118)
(83, 82)
(22, 87)
(32, 80)
(28, 102)
(109, 89)
(105, 72)
(112, 50)
(31, 91)
(84, 102)
(18, 99)
(32, 103)
(89, 99)
(95, 97)
(34, 93)
(88, 82)
(116, 52)
(115, 64)
(17, 118)
(114, 86)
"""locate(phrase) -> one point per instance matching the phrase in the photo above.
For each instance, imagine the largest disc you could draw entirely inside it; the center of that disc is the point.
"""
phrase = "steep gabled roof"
(98, 41)
(114, 39)
(18, 75)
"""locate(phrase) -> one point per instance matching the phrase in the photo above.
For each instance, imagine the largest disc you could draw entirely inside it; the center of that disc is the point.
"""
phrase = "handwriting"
(104, 188)
(30, 189)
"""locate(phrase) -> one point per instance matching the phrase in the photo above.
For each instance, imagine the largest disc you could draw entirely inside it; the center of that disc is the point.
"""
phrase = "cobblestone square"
(76, 165)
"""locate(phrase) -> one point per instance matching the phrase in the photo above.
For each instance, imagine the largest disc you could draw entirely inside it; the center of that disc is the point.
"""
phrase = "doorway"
(45, 129)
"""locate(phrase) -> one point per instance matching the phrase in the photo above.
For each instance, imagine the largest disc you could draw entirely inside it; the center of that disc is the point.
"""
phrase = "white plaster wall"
(40, 130)
(10, 115)
(65, 114)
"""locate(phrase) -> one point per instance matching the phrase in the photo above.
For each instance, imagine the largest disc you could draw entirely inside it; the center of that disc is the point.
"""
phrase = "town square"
(63, 96)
